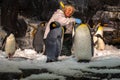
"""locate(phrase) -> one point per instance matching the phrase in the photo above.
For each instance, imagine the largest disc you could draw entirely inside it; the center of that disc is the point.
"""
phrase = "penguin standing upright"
(38, 43)
(82, 43)
(98, 39)
(10, 45)
(53, 42)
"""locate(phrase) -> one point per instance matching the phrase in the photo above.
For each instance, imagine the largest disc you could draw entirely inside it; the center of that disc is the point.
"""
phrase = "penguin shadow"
(83, 61)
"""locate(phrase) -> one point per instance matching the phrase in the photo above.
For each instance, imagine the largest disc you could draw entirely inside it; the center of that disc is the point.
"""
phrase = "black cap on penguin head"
(105, 22)
(54, 25)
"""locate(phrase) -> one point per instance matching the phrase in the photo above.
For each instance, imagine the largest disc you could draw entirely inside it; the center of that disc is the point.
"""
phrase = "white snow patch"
(101, 71)
(109, 50)
(68, 66)
(7, 66)
(45, 76)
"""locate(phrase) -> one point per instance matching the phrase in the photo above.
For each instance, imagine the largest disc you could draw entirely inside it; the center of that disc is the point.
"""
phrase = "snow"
(106, 61)
(109, 50)
(30, 54)
(45, 76)
(6, 66)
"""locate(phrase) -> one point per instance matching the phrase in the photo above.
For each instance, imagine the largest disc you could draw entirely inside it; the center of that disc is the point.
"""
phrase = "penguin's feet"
(51, 60)
(9, 56)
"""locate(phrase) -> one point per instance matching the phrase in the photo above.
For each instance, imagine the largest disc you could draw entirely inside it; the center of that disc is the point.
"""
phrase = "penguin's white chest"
(82, 45)
(10, 45)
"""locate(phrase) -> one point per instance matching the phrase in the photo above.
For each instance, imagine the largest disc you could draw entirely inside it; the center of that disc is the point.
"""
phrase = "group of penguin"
(83, 41)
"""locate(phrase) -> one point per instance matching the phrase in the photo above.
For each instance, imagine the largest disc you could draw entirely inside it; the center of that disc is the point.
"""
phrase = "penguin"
(10, 45)
(53, 42)
(38, 42)
(98, 39)
(82, 47)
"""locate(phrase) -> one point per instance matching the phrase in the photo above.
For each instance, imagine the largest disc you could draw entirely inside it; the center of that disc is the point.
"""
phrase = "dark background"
(42, 10)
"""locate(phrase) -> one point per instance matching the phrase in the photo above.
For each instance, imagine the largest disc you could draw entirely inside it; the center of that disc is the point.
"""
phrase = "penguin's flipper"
(99, 36)
(73, 37)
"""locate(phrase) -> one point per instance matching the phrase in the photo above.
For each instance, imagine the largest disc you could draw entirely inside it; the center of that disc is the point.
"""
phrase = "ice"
(103, 62)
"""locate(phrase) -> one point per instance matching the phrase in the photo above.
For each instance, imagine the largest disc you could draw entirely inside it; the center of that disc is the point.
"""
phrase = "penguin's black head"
(54, 25)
